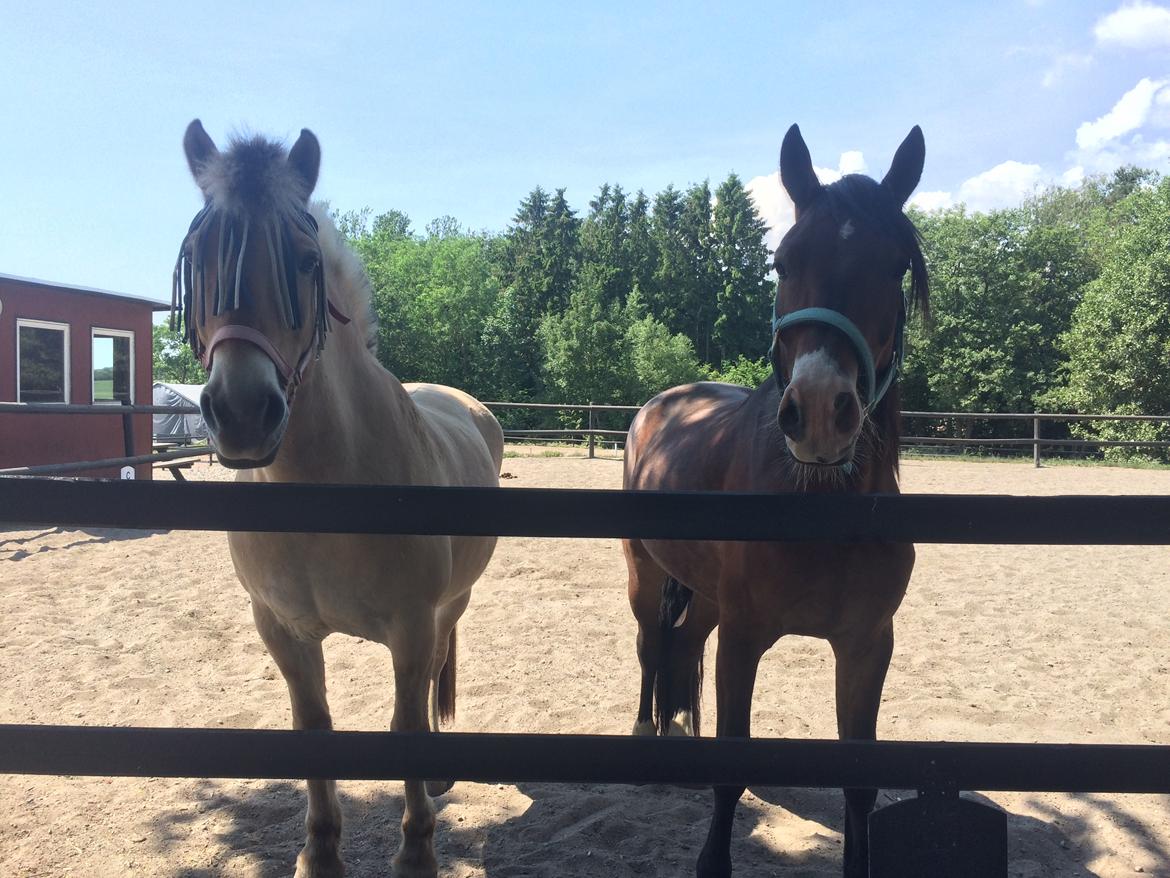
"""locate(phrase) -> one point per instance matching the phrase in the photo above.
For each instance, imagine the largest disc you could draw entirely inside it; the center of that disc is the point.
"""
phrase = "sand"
(1007, 644)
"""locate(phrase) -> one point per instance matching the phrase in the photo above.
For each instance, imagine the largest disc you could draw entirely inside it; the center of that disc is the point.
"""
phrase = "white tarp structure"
(179, 427)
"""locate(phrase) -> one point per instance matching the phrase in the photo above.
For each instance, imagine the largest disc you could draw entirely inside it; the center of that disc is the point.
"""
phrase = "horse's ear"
(796, 170)
(305, 159)
(199, 147)
(906, 168)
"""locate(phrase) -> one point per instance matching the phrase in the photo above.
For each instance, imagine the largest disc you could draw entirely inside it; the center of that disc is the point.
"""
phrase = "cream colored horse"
(262, 276)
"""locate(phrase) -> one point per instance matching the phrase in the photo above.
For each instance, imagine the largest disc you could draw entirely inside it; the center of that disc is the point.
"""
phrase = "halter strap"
(872, 390)
(290, 376)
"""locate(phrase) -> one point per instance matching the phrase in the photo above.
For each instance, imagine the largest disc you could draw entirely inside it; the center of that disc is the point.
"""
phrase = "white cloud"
(1136, 25)
(775, 207)
(1005, 185)
(930, 201)
(1129, 114)
(852, 162)
(1062, 64)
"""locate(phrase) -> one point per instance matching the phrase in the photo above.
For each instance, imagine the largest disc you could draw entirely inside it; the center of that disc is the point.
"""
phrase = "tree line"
(1059, 304)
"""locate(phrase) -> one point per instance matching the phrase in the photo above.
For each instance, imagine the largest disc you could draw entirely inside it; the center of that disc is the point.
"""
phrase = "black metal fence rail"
(514, 758)
(936, 835)
(550, 512)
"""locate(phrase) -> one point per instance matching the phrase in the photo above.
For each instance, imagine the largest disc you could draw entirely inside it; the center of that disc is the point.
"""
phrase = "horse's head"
(840, 309)
(252, 287)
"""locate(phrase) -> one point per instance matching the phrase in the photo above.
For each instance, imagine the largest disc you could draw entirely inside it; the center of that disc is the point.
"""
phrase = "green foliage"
(1118, 346)
(745, 294)
(173, 360)
(432, 294)
(1003, 288)
(1063, 301)
(744, 372)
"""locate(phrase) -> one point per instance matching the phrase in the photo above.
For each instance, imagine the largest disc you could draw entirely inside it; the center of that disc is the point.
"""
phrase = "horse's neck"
(351, 420)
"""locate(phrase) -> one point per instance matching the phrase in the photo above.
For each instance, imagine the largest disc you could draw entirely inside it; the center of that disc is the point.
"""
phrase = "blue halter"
(871, 390)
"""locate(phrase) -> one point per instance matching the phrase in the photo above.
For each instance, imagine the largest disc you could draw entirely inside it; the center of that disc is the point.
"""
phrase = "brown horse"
(262, 275)
(827, 420)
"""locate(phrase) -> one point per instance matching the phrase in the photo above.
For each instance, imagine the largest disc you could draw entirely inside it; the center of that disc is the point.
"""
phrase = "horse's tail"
(445, 690)
(676, 598)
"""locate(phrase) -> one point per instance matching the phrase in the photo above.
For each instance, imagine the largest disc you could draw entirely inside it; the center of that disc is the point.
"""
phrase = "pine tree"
(741, 260)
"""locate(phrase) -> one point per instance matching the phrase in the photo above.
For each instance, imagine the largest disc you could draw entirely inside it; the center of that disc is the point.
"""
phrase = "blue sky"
(461, 109)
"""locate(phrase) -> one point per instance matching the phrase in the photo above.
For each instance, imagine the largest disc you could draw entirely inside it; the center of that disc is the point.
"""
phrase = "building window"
(113, 365)
(42, 361)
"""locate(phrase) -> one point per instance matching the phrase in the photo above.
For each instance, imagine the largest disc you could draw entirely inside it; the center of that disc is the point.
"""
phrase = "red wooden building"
(63, 344)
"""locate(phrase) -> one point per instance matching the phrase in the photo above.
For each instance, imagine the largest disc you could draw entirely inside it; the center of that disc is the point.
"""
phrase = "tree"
(741, 260)
(585, 355)
(1118, 345)
(1003, 289)
(173, 359)
(699, 294)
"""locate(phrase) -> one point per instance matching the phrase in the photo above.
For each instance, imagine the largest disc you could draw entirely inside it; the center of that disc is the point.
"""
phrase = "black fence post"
(127, 430)
(937, 834)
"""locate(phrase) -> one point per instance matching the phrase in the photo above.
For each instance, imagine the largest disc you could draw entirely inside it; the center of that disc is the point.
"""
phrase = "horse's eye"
(309, 263)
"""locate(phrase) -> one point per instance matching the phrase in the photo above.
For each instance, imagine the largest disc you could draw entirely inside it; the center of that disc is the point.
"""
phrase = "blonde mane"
(346, 278)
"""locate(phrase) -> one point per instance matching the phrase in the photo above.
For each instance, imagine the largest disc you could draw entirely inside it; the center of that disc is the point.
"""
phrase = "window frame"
(64, 328)
(94, 332)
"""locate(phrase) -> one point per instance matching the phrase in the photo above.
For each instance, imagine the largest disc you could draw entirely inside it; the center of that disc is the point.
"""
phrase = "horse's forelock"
(859, 198)
(253, 176)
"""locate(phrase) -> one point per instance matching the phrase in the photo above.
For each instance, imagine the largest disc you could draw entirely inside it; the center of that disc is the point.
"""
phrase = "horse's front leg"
(303, 666)
(736, 661)
(412, 644)
(861, 673)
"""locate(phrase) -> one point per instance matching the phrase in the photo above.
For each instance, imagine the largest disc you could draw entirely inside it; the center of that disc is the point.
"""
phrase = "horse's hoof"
(436, 788)
(713, 867)
(645, 728)
(319, 867)
(682, 726)
(414, 864)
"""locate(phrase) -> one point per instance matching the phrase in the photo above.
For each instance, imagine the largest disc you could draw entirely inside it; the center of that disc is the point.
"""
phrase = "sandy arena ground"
(1008, 644)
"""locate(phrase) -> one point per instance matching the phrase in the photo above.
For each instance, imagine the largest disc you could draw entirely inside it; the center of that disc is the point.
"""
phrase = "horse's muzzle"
(244, 407)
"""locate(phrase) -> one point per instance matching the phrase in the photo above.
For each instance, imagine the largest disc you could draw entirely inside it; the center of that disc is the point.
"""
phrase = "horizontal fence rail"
(53, 408)
(512, 758)
(46, 469)
(937, 770)
(544, 512)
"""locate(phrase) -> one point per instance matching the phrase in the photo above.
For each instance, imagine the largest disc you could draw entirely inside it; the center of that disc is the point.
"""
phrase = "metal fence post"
(1036, 439)
(592, 438)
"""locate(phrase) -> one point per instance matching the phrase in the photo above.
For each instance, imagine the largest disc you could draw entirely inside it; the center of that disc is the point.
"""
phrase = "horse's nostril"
(207, 409)
(790, 420)
(274, 411)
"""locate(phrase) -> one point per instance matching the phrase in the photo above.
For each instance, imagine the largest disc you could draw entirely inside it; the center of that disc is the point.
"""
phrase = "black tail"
(676, 598)
(445, 691)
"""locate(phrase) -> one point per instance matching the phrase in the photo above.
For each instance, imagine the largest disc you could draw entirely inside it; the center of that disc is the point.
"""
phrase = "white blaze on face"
(817, 372)
(846, 230)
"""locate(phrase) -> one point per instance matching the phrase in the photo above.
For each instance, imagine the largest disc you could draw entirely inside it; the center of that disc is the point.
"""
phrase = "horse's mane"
(260, 197)
(349, 284)
(857, 197)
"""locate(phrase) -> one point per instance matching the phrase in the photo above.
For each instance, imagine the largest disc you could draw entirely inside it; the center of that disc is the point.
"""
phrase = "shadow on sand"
(574, 831)
(19, 548)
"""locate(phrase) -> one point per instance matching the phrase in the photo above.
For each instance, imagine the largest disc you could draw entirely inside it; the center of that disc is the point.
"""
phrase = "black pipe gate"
(936, 835)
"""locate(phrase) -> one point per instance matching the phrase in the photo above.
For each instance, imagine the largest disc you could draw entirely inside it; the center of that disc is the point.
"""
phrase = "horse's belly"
(816, 590)
(317, 584)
